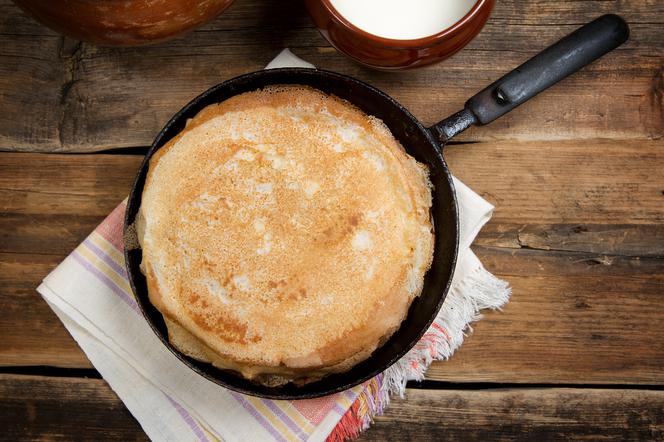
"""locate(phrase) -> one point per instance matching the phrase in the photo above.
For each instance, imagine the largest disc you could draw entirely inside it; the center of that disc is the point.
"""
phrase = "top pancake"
(284, 232)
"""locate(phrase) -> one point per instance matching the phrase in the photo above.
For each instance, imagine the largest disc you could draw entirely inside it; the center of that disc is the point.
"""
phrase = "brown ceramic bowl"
(385, 53)
(123, 23)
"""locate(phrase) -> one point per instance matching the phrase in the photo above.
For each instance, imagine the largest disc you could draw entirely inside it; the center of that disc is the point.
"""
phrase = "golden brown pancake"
(285, 233)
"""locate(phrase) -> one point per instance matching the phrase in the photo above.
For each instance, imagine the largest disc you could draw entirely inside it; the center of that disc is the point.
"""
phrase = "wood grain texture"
(581, 245)
(94, 98)
(35, 408)
(522, 414)
(42, 339)
(573, 318)
(575, 174)
(48, 205)
(590, 182)
(43, 408)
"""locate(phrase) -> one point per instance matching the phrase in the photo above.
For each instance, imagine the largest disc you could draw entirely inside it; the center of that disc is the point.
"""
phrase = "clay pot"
(385, 53)
(123, 22)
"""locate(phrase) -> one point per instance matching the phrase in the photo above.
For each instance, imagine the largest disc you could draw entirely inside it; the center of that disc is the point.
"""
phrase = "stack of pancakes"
(285, 234)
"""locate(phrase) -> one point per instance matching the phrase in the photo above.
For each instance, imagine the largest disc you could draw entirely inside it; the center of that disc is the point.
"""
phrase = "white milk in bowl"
(403, 19)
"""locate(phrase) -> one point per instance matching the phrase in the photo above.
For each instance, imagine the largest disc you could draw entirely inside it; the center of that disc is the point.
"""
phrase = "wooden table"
(577, 176)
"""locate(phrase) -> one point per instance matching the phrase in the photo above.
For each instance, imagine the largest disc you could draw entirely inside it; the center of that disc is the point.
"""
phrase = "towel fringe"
(477, 291)
(370, 403)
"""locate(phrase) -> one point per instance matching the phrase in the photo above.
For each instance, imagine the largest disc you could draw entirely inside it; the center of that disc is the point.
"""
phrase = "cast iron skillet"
(425, 144)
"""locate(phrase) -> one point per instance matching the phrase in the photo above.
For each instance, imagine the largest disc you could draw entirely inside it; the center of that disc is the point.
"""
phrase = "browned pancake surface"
(285, 232)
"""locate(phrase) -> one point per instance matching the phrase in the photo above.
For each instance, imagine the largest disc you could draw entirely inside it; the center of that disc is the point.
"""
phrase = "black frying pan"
(425, 144)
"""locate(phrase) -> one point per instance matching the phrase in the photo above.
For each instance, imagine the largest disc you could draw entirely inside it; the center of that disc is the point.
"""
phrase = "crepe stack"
(285, 234)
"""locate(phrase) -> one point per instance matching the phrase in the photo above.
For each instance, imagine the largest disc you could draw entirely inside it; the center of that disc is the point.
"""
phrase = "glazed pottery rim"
(409, 43)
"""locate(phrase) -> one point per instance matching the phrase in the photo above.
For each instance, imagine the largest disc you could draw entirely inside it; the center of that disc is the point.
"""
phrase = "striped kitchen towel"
(90, 293)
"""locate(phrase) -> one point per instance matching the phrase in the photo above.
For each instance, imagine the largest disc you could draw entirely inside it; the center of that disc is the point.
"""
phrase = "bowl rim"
(408, 43)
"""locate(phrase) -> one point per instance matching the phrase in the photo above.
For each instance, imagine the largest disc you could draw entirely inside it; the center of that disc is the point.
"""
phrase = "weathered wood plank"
(573, 318)
(29, 64)
(43, 408)
(522, 414)
(75, 185)
(636, 240)
(586, 206)
(94, 98)
(571, 182)
(582, 259)
(34, 408)
(48, 205)
(35, 336)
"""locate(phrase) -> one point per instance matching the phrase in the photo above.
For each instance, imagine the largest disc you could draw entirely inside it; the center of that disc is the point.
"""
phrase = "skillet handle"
(569, 55)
